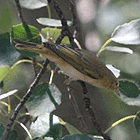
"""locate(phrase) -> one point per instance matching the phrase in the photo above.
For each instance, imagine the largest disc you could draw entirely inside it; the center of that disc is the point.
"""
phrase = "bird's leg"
(68, 81)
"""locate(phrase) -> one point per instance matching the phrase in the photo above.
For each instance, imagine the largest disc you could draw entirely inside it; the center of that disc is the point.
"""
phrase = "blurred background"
(96, 20)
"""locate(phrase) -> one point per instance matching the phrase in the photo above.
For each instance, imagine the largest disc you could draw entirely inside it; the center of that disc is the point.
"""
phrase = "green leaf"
(4, 72)
(2, 128)
(12, 135)
(6, 19)
(78, 137)
(45, 98)
(119, 49)
(54, 34)
(19, 32)
(5, 95)
(136, 122)
(129, 88)
(128, 33)
(51, 22)
(46, 125)
(33, 4)
(130, 92)
(8, 55)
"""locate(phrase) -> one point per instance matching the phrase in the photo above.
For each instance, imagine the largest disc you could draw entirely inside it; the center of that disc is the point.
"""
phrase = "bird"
(78, 64)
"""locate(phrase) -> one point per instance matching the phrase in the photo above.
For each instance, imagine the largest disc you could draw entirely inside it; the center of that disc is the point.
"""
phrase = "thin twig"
(74, 18)
(65, 29)
(93, 118)
(73, 12)
(77, 110)
(24, 99)
(29, 34)
(90, 111)
(28, 31)
(83, 84)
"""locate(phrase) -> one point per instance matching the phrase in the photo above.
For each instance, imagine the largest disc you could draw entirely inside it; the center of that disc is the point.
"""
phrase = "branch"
(74, 18)
(93, 118)
(65, 29)
(28, 31)
(29, 34)
(76, 108)
(88, 107)
(24, 99)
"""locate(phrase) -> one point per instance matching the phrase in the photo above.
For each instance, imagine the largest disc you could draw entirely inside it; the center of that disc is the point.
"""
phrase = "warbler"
(78, 64)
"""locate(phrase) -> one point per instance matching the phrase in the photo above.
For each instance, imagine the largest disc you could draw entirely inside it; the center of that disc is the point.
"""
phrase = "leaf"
(45, 98)
(19, 32)
(136, 122)
(12, 135)
(8, 55)
(3, 72)
(115, 71)
(5, 95)
(119, 49)
(6, 16)
(128, 33)
(48, 138)
(33, 4)
(78, 137)
(53, 33)
(71, 129)
(51, 22)
(2, 128)
(46, 125)
(98, 138)
(130, 92)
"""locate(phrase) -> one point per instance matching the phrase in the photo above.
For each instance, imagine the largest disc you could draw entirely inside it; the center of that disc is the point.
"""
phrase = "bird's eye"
(117, 84)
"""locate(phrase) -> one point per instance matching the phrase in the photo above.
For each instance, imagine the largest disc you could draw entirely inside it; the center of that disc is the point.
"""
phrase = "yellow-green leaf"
(3, 72)
(53, 33)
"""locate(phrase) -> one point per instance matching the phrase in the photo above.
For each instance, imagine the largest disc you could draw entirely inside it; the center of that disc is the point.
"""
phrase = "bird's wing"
(92, 64)
(82, 60)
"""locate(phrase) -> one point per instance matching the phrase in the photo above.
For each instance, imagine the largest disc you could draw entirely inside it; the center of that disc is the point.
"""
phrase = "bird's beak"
(117, 92)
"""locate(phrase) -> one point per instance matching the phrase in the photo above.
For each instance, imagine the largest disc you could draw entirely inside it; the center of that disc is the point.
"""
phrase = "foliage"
(46, 97)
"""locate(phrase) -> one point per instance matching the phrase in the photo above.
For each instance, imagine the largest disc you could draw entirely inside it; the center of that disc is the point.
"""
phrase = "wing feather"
(82, 60)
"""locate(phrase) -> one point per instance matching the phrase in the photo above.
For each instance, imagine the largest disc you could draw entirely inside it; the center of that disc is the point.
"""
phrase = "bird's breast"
(71, 71)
